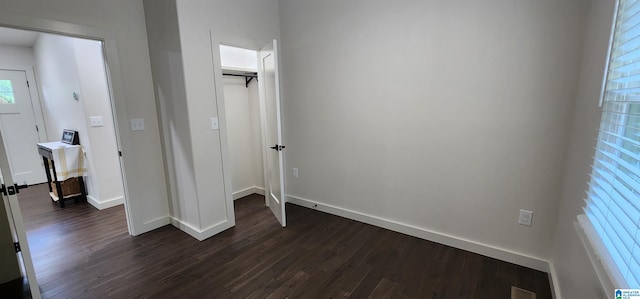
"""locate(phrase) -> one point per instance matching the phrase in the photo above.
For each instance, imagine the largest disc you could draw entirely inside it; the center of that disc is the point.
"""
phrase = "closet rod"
(247, 77)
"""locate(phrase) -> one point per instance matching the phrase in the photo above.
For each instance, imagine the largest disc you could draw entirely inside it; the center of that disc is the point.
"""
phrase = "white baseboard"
(248, 191)
(204, 233)
(101, 205)
(553, 282)
(153, 224)
(476, 247)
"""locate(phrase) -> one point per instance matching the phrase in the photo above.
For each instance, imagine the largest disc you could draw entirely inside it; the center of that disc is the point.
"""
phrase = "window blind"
(613, 198)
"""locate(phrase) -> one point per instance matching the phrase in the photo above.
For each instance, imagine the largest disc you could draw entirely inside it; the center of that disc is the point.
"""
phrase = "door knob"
(277, 147)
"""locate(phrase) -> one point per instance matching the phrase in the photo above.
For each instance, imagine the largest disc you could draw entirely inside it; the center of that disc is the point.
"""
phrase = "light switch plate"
(214, 123)
(295, 172)
(137, 124)
(96, 121)
(525, 217)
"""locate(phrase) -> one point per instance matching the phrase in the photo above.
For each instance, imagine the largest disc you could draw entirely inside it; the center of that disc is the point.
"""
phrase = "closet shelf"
(248, 76)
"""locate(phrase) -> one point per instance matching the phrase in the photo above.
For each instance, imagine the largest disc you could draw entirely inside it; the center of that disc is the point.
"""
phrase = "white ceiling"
(17, 37)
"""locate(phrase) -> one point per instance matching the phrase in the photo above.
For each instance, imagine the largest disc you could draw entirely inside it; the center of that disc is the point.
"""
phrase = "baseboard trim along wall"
(248, 191)
(198, 233)
(476, 247)
(153, 224)
(553, 282)
(101, 205)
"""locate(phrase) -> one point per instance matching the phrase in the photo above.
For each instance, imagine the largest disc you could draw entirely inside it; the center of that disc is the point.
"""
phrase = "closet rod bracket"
(247, 77)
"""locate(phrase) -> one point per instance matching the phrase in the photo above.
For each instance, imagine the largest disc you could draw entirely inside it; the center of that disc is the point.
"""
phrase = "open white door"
(18, 125)
(272, 129)
(15, 219)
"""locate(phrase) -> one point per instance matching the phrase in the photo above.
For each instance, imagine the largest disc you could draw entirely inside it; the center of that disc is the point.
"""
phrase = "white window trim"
(605, 75)
(601, 260)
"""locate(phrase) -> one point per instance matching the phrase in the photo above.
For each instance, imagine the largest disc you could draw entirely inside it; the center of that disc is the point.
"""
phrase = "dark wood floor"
(80, 252)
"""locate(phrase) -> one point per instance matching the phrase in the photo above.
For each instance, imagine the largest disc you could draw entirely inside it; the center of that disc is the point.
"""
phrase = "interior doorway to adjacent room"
(48, 83)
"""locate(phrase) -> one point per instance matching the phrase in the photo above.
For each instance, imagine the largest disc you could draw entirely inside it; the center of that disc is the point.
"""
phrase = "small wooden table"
(46, 151)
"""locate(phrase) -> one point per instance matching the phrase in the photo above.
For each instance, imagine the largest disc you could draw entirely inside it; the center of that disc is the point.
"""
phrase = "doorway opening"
(253, 123)
(49, 83)
(242, 114)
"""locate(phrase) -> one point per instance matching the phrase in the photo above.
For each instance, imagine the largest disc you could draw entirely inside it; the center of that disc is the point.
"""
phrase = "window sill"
(608, 274)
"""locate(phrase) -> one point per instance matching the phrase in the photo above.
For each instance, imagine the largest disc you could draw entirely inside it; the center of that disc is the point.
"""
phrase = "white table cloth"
(69, 159)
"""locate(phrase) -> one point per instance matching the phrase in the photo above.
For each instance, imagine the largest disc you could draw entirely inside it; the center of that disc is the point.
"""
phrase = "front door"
(18, 126)
(270, 97)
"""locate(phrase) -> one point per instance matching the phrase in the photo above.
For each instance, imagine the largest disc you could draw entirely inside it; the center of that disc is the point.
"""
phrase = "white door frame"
(218, 39)
(114, 82)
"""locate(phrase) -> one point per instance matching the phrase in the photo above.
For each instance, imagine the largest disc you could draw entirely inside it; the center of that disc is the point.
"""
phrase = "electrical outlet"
(295, 172)
(137, 124)
(525, 217)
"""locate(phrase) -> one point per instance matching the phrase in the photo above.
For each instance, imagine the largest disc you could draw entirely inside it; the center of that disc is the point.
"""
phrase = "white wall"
(66, 65)
(238, 58)
(16, 56)
(168, 77)
(121, 23)
(241, 105)
(442, 118)
(242, 108)
(208, 208)
(57, 73)
(573, 271)
(104, 149)
(256, 135)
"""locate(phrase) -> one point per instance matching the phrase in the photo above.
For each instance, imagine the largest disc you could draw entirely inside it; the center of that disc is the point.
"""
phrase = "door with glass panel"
(18, 126)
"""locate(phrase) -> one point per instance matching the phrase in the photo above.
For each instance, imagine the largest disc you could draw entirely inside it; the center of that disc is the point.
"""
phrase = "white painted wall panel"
(448, 116)
(238, 58)
(16, 56)
(246, 159)
(256, 135)
(96, 100)
(167, 67)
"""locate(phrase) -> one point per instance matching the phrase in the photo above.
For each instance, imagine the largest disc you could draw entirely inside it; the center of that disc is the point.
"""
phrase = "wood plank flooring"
(80, 252)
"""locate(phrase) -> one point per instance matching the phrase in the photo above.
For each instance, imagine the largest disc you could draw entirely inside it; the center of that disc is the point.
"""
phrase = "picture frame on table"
(70, 137)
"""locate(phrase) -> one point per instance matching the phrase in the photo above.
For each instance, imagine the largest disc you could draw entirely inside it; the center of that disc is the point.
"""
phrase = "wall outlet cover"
(137, 124)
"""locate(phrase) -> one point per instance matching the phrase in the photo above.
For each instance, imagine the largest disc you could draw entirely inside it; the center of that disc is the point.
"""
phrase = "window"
(613, 199)
(6, 92)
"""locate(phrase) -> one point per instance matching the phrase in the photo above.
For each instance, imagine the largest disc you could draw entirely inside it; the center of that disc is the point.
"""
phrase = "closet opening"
(243, 120)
